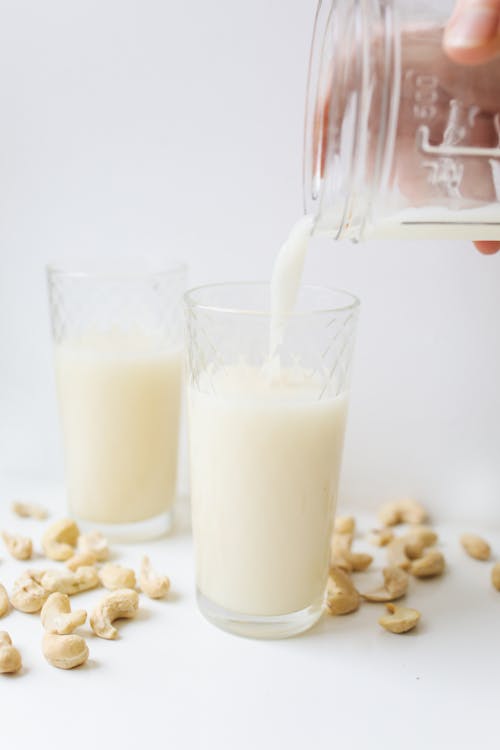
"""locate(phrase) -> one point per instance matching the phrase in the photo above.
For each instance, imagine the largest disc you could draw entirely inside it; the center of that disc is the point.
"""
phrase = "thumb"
(472, 35)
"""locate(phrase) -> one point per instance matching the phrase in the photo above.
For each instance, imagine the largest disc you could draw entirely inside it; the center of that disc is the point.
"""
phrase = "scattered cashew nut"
(153, 585)
(380, 537)
(4, 601)
(430, 565)
(406, 510)
(423, 535)
(340, 550)
(28, 594)
(65, 651)
(475, 546)
(80, 560)
(495, 576)
(10, 658)
(395, 586)
(67, 582)
(19, 546)
(414, 547)
(360, 561)
(397, 553)
(59, 540)
(400, 619)
(57, 617)
(403, 549)
(342, 556)
(114, 606)
(94, 543)
(115, 577)
(345, 525)
(342, 597)
(28, 510)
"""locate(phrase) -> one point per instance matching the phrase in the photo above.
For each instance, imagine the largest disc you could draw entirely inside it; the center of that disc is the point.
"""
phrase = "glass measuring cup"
(401, 142)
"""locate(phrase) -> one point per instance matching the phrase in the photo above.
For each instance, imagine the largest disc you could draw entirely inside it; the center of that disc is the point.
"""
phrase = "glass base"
(252, 626)
(138, 531)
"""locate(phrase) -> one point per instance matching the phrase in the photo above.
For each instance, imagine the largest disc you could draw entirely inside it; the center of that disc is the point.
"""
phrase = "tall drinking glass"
(119, 361)
(266, 439)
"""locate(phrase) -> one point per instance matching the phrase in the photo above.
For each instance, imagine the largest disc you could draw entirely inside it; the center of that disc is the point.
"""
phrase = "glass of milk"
(119, 363)
(266, 434)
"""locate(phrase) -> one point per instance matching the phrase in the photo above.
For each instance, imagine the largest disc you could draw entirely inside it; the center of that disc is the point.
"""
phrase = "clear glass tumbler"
(401, 141)
(118, 336)
(266, 439)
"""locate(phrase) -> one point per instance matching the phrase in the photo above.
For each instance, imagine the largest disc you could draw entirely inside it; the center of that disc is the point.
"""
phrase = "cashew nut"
(414, 548)
(395, 586)
(80, 560)
(67, 582)
(117, 577)
(343, 557)
(95, 543)
(475, 546)
(19, 546)
(340, 551)
(57, 617)
(345, 525)
(59, 540)
(380, 537)
(28, 594)
(400, 619)
(430, 565)
(65, 651)
(342, 598)
(422, 535)
(28, 510)
(154, 586)
(397, 553)
(4, 601)
(406, 510)
(411, 546)
(114, 606)
(495, 576)
(10, 658)
(360, 561)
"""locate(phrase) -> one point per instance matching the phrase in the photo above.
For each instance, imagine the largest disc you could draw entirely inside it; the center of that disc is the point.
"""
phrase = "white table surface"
(173, 680)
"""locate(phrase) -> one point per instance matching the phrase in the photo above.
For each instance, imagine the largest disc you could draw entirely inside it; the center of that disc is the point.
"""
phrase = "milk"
(265, 455)
(426, 223)
(120, 402)
(285, 282)
(265, 461)
(438, 223)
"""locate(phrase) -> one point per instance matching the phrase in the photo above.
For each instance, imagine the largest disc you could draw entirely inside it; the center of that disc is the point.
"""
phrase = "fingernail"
(473, 27)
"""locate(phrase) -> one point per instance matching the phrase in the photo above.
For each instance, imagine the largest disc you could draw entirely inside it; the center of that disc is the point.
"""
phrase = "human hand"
(472, 37)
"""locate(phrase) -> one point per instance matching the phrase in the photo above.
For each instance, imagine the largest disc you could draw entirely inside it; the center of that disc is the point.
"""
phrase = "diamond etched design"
(320, 341)
(96, 303)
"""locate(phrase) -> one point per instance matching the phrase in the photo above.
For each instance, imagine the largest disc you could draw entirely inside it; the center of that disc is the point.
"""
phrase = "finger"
(472, 35)
(488, 248)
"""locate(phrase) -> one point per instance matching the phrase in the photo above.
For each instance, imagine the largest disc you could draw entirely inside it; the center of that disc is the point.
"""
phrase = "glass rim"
(191, 303)
(79, 271)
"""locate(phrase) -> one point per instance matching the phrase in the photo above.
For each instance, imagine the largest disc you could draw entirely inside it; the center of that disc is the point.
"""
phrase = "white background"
(128, 127)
